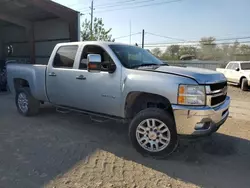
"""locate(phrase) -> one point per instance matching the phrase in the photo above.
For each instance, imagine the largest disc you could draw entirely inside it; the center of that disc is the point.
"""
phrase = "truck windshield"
(245, 66)
(132, 56)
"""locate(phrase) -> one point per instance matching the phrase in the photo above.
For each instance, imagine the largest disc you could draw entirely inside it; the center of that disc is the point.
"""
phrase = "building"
(29, 29)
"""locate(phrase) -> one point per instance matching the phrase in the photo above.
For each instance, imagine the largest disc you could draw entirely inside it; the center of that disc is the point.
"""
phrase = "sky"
(188, 20)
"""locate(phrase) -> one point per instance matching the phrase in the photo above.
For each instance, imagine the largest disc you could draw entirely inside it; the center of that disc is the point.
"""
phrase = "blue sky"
(187, 19)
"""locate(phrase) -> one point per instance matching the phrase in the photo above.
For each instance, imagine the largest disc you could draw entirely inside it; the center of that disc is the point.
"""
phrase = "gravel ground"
(69, 150)
(237, 94)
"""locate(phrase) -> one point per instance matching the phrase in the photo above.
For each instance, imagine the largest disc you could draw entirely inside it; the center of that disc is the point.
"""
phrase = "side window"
(65, 57)
(233, 66)
(230, 66)
(92, 49)
(236, 66)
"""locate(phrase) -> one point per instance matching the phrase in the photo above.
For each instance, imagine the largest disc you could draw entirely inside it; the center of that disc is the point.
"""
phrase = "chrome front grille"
(218, 86)
(216, 93)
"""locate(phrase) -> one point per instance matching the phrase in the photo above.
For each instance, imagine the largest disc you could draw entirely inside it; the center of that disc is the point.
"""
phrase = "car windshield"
(133, 57)
(245, 66)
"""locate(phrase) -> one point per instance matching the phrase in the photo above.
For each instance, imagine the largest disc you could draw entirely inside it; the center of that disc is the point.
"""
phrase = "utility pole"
(91, 14)
(142, 42)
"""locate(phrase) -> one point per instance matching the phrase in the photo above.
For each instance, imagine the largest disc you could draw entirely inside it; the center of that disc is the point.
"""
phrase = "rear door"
(61, 77)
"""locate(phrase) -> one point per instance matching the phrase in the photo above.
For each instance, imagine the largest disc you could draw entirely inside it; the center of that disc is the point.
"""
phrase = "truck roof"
(239, 62)
(91, 42)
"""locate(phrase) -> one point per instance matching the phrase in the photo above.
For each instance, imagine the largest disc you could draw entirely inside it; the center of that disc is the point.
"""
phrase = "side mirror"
(112, 68)
(94, 62)
(237, 69)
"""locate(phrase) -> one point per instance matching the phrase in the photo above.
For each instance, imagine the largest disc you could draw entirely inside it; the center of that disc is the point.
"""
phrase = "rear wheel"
(153, 133)
(244, 84)
(26, 104)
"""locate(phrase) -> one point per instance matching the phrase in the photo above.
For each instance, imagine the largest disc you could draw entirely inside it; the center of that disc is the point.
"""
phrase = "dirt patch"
(69, 150)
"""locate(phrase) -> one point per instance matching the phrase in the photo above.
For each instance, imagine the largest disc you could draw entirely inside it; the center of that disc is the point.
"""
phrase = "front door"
(102, 91)
(229, 72)
(236, 74)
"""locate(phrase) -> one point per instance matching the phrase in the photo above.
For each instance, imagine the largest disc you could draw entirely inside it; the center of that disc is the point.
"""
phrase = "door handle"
(52, 74)
(81, 77)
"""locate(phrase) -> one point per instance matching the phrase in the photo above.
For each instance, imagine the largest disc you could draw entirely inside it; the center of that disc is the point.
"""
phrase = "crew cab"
(127, 83)
(237, 73)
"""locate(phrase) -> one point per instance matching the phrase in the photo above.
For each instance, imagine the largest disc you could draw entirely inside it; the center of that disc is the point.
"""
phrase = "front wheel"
(153, 133)
(26, 104)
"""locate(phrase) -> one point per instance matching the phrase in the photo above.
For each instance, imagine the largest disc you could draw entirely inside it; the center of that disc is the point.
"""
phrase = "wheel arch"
(241, 78)
(20, 83)
(137, 101)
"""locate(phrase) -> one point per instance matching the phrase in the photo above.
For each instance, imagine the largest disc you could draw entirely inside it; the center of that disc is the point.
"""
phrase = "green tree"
(234, 49)
(174, 50)
(208, 49)
(156, 52)
(187, 50)
(242, 53)
(171, 53)
(99, 32)
(225, 52)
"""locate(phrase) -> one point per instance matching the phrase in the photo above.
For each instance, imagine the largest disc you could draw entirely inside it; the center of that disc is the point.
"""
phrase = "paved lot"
(59, 150)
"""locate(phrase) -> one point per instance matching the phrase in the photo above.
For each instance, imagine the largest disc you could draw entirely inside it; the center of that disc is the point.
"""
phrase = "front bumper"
(200, 121)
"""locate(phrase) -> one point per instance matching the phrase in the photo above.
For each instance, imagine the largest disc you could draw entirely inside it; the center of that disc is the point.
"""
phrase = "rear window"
(245, 66)
(65, 57)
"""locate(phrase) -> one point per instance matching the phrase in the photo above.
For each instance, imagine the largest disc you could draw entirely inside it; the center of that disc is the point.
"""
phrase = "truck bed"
(34, 74)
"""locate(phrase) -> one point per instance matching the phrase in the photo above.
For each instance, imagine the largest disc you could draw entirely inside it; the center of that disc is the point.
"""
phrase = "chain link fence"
(211, 65)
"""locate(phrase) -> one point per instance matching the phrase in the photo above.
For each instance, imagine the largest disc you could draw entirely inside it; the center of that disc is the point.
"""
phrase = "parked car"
(126, 83)
(237, 73)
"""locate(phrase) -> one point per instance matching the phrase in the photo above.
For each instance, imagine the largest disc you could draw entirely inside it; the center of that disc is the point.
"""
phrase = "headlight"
(191, 95)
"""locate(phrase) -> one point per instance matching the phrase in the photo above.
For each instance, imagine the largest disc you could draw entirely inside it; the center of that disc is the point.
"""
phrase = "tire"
(159, 116)
(30, 106)
(244, 84)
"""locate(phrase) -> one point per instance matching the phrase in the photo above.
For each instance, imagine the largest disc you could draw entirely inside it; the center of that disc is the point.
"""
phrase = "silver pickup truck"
(125, 83)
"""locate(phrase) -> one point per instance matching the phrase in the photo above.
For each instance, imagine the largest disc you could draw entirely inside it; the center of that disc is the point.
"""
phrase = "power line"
(198, 41)
(139, 6)
(238, 38)
(127, 35)
(165, 44)
(76, 4)
(115, 4)
(229, 42)
(165, 36)
(119, 3)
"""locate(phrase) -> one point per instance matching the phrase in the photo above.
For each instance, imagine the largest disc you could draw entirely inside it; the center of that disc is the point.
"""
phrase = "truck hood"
(202, 76)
